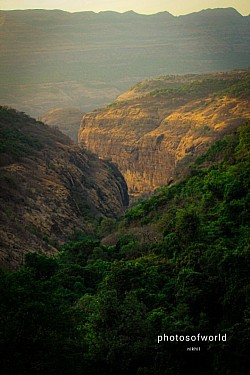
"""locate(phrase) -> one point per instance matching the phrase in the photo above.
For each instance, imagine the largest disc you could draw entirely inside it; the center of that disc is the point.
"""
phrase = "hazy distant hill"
(54, 58)
(66, 119)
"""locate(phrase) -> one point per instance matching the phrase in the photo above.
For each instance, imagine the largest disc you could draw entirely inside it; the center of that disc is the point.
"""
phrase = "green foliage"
(94, 309)
(207, 86)
(16, 143)
(106, 226)
(239, 89)
(37, 335)
(13, 140)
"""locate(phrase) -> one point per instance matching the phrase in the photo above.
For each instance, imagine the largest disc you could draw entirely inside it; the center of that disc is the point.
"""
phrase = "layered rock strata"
(154, 131)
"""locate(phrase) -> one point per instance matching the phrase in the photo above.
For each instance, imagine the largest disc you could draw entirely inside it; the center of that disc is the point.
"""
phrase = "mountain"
(84, 60)
(50, 188)
(155, 130)
(167, 292)
(67, 120)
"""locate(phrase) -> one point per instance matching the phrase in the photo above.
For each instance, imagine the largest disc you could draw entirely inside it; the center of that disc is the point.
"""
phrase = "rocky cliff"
(49, 188)
(157, 128)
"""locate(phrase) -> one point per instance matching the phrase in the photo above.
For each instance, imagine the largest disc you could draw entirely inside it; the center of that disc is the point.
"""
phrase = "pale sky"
(176, 7)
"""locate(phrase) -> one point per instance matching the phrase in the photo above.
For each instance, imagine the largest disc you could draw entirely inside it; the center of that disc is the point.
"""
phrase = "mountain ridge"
(86, 60)
(225, 10)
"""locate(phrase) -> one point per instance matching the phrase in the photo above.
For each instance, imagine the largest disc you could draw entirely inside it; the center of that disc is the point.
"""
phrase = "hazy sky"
(175, 7)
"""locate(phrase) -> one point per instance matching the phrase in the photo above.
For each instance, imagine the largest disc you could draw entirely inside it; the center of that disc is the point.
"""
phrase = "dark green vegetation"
(233, 83)
(218, 87)
(96, 309)
(54, 58)
(12, 140)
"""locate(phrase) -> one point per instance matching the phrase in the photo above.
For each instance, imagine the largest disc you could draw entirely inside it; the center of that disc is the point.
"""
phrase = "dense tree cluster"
(96, 309)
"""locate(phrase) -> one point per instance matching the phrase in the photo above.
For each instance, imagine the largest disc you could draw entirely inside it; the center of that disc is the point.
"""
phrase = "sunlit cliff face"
(153, 137)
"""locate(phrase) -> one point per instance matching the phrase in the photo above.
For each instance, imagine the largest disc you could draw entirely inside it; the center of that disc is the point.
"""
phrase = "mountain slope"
(184, 254)
(170, 296)
(67, 120)
(154, 131)
(49, 188)
(52, 58)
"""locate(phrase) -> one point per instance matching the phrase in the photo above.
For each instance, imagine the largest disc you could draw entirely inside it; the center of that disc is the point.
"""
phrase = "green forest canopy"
(96, 309)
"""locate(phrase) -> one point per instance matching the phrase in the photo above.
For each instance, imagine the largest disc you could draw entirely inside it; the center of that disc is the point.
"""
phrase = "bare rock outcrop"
(155, 131)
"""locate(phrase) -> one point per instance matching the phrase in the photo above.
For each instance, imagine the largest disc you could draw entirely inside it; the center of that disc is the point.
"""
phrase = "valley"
(124, 192)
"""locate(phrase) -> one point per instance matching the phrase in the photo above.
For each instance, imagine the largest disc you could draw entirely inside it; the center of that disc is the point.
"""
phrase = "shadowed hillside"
(49, 188)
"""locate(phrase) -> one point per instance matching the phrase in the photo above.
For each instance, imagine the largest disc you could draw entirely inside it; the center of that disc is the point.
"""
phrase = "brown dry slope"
(49, 188)
(156, 129)
(65, 119)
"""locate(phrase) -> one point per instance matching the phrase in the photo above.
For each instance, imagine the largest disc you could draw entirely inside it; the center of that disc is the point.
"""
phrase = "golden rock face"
(154, 135)
(51, 191)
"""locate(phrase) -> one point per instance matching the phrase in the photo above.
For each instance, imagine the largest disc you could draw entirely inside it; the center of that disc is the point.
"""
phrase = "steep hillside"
(170, 296)
(154, 131)
(52, 58)
(67, 120)
(49, 188)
